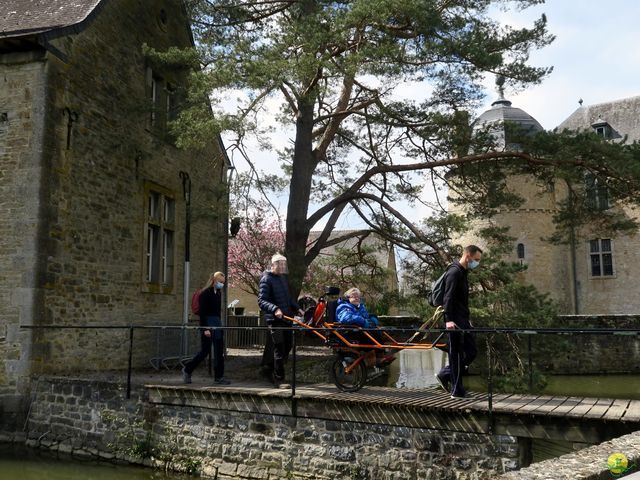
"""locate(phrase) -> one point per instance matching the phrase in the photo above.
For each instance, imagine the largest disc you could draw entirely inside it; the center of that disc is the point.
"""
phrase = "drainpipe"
(574, 269)
(186, 190)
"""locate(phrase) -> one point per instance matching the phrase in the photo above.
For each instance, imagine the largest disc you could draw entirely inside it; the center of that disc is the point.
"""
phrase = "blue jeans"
(217, 340)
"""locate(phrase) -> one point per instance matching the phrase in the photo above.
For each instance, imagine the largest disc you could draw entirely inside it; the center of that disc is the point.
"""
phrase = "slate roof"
(622, 115)
(28, 17)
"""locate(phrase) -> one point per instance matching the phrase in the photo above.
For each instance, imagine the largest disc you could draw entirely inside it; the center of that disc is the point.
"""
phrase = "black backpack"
(435, 296)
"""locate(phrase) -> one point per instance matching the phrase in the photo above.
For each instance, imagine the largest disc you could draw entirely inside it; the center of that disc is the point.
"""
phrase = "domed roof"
(502, 112)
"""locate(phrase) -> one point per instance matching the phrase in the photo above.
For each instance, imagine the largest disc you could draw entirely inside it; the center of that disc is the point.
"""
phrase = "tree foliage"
(250, 251)
(338, 69)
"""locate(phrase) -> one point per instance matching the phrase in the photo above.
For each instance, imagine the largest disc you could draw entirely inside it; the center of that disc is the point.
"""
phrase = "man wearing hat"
(275, 301)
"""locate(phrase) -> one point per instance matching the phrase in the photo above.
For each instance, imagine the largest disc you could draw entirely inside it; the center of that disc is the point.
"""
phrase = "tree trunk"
(303, 166)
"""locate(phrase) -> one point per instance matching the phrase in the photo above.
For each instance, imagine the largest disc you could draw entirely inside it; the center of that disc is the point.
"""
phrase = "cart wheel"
(348, 382)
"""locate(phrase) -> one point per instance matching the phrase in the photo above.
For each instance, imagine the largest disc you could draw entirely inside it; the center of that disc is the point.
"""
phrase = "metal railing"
(249, 335)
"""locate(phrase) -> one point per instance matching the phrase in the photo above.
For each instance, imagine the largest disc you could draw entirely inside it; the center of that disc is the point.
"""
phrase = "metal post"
(490, 384)
(529, 341)
(294, 405)
(130, 362)
(186, 190)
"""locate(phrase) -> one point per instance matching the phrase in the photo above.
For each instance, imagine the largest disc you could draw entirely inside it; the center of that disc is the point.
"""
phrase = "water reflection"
(18, 462)
(416, 368)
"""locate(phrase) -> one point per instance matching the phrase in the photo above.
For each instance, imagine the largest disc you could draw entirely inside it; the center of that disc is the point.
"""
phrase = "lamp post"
(186, 191)
(225, 293)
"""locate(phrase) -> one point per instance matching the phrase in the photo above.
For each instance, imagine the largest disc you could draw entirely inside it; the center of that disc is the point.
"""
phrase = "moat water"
(417, 369)
(21, 463)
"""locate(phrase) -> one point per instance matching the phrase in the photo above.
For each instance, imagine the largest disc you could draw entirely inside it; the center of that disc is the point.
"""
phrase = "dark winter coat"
(210, 304)
(456, 295)
(274, 294)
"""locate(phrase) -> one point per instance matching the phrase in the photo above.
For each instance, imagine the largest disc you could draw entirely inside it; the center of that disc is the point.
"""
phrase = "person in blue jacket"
(351, 311)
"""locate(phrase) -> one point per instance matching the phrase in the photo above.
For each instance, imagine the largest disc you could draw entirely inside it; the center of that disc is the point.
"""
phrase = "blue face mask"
(473, 264)
(219, 285)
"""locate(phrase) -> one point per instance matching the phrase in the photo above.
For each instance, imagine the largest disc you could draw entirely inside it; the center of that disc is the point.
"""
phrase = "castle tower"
(548, 265)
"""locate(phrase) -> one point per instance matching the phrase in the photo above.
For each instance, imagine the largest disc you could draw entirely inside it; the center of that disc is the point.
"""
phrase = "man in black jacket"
(462, 345)
(275, 301)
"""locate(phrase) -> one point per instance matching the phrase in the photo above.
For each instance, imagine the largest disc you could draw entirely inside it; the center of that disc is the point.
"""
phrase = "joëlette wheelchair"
(359, 351)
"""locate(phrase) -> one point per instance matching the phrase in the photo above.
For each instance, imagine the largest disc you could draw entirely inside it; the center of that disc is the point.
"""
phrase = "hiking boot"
(221, 381)
(186, 377)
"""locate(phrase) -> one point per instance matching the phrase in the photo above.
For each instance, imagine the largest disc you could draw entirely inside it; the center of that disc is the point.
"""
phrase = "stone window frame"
(162, 101)
(597, 192)
(159, 248)
(521, 252)
(601, 256)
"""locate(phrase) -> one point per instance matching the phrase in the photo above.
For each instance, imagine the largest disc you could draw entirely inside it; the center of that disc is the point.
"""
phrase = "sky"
(596, 58)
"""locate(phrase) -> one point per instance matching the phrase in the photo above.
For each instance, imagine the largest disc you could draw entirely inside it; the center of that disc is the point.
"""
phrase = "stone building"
(93, 216)
(593, 275)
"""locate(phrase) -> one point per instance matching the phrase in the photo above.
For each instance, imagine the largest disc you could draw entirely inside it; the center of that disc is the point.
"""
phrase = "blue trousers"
(217, 340)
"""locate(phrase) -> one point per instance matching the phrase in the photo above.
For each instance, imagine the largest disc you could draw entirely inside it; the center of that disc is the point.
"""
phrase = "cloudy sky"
(596, 56)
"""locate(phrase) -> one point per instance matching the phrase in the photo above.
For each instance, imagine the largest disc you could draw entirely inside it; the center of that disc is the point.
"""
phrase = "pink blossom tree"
(250, 251)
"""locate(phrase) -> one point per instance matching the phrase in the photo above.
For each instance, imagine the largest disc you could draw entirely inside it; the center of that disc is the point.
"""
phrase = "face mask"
(219, 285)
(473, 264)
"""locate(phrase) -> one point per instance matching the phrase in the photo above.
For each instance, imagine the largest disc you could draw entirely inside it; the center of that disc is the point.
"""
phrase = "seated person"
(353, 312)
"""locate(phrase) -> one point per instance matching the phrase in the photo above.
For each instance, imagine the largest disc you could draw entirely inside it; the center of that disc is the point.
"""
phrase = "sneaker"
(186, 377)
(221, 381)
(280, 383)
(442, 383)
(458, 395)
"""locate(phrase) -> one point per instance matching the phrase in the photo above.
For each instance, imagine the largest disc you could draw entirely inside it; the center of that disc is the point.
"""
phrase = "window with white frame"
(601, 257)
(160, 239)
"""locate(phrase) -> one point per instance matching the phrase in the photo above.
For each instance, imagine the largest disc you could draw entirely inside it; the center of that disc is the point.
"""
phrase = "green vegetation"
(137, 437)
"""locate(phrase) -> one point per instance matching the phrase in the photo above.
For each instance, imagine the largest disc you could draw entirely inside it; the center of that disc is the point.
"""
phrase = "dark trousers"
(277, 347)
(217, 340)
(462, 351)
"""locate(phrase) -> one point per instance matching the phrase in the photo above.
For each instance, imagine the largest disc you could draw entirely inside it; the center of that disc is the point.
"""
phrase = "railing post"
(529, 350)
(490, 384)
(294, 406)
(130, 362)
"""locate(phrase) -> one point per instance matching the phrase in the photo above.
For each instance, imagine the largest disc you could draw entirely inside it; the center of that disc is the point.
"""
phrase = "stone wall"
(22, 117)
(84, 418)
(77, 156)
(587, 464)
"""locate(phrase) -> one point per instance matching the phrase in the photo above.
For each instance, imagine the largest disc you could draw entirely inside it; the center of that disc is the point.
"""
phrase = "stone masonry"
(88, 418)
(78, 158)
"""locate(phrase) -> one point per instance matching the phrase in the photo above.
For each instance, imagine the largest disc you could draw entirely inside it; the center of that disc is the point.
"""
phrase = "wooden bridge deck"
(581, 419)
(608, 409)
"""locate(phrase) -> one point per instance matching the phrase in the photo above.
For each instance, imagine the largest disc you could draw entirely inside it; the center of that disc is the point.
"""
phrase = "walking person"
(210, 302)
(275, 301)
(462, 345)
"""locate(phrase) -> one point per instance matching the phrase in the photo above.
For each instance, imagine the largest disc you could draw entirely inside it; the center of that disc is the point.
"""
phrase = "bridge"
(574, 419)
